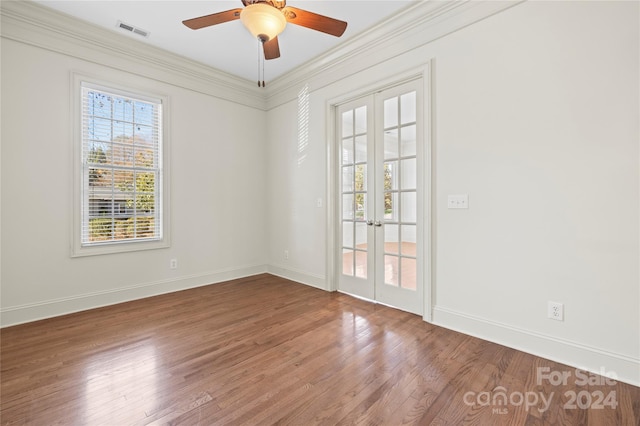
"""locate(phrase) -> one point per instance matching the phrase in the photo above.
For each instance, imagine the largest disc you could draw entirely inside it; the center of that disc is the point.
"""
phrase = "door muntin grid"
(399, 165)
(354, 188)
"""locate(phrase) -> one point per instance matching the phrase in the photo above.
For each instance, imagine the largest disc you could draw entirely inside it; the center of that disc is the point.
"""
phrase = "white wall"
(536, 118)
(297, 179)
(217, 182)
(538, 122)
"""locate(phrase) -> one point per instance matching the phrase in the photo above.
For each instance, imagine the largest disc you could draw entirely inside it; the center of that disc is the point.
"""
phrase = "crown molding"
(410, 29)
(33, 24)
(415, 26)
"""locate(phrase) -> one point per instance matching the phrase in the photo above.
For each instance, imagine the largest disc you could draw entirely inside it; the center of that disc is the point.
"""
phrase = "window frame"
(78, 248)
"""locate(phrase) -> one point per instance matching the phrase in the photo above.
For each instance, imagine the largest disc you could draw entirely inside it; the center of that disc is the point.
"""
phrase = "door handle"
(369, 222)
(377, 223)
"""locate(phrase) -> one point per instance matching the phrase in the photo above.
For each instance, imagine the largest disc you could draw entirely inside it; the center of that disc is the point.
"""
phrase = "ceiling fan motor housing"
(263, 21)
(279, 4)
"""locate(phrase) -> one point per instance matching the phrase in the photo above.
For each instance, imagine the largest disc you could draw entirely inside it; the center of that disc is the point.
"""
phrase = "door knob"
(377, 223)
(369, 222)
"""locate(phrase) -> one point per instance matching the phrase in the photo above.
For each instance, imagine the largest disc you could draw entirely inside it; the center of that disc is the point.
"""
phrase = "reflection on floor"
(398, 270)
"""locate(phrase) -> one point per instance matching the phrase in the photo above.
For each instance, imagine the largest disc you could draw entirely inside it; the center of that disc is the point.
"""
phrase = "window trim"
(77, 247)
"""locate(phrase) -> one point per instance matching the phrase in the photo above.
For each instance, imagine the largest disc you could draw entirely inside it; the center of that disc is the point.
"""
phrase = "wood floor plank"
(263, 350)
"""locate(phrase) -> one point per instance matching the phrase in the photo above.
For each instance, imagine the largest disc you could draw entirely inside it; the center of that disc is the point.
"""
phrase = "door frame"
(424, 74)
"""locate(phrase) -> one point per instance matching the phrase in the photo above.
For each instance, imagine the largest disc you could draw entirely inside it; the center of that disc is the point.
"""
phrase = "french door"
(381, 197)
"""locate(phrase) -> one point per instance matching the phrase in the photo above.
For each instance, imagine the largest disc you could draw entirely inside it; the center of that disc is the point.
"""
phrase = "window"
(121, 198)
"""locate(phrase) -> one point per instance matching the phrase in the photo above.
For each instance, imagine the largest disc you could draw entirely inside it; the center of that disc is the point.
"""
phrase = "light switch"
(460, 201)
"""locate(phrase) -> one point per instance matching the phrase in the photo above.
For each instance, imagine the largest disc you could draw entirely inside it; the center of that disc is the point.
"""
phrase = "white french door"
(381, 197)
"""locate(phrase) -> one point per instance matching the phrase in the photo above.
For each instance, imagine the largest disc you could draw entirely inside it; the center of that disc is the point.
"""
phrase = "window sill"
(118, 247)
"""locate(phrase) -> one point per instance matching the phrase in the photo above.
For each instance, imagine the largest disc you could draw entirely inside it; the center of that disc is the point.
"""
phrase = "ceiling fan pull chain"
(260, 59)
(259, 46)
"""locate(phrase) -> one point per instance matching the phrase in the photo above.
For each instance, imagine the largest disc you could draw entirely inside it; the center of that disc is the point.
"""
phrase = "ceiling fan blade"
(314, 21)
(271, 49)
(214, 19)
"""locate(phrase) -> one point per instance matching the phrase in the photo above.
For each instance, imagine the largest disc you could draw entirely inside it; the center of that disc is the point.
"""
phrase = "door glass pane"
(347, 151)
(408, 141)
(409, 206)
(408, 108)
(354, 197)
(347, 124)
(391, 206)
(409, 239)
(347, 206)
(361, 120)
(361, 177)
(361, 149)
(390, 175)
(347, 179)
(391, 143)
(408, 173)
(408, 273)
(347, 234)
(391, 238)
(391, 269)
(390, 113)
(361, 264)
(361, 206)
(347, 262)
(361, 235)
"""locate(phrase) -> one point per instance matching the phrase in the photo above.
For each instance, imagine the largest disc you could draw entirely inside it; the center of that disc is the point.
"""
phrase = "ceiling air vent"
(132, 29)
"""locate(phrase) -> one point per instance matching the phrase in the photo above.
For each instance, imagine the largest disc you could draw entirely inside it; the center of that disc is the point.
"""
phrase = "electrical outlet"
(173, 264)
(286, 255)
(555, 310)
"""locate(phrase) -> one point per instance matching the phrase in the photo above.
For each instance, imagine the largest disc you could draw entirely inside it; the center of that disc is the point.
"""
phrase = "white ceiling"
(229, 47)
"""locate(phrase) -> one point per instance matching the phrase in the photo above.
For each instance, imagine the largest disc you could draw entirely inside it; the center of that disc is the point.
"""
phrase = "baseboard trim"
(15, 315)
(301, 277)
(594, 360)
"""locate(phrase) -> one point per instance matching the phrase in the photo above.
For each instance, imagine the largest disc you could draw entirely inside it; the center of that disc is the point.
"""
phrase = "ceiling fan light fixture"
(263, 21)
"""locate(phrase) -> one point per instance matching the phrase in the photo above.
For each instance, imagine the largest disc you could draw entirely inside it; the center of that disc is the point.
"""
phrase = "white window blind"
(121, 167)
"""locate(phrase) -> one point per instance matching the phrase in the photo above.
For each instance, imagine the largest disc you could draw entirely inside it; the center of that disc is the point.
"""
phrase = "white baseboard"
(583, 357)
(14, 315)
(316, 281)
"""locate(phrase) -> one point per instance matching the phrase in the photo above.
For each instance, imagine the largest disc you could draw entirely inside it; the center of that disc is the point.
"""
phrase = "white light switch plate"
(460, 201)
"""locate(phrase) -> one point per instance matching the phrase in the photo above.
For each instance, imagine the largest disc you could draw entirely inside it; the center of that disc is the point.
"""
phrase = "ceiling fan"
(265, 19)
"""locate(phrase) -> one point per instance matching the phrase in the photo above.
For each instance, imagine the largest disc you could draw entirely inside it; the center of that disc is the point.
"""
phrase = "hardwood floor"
(264, 350)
